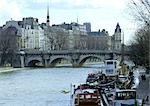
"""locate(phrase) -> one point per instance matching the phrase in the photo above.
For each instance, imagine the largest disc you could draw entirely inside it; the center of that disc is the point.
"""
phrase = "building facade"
(99, 40)
(116, 38)
(32, 35)
(63, 36)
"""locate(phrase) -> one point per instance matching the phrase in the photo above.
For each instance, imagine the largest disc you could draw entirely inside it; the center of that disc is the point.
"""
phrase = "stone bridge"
(50, 58)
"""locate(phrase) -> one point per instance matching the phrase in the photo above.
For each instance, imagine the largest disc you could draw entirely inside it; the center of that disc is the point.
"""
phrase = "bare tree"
(76, 41)
(61, 39)
(139, 51)
(140, 47)
(8, 45)
(50, 41)
(140, 10)
(56, 38)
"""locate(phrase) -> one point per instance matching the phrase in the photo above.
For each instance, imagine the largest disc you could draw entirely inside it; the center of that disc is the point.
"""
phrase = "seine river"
(40, 87)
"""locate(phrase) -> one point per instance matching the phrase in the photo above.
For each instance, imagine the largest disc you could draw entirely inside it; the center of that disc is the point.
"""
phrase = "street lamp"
(122, 47)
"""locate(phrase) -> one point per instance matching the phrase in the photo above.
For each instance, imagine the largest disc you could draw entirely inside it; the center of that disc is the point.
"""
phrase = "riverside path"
(143, 90)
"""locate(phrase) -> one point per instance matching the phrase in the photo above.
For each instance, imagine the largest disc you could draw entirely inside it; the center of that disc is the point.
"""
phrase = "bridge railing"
(69, 51)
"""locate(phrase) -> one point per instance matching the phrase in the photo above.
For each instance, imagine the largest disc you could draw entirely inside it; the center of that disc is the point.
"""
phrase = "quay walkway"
(143, 90)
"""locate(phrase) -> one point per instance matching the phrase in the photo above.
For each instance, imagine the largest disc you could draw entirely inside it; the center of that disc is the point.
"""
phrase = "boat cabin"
(87, 97)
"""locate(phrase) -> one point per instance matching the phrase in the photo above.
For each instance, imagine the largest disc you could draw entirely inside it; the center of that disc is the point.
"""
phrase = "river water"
(40, 87)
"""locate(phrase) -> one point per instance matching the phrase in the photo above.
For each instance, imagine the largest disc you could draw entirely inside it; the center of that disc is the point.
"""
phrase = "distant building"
(76, 33)
(31, 33)
(88, 26)
(99, 40)
(15, 24)
(98, 33)
(33, 22)
(77, 29)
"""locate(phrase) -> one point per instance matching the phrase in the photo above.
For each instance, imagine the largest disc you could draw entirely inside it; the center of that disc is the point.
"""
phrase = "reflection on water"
(40, 87)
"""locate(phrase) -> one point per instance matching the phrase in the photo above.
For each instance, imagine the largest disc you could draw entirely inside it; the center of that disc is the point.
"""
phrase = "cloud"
(11, 9)
(79, 4)
(15, 8)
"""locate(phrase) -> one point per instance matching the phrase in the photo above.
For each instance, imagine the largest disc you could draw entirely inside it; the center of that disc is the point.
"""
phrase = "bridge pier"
(45, 63)
(22, 61)
(51, 66)
(75, 65)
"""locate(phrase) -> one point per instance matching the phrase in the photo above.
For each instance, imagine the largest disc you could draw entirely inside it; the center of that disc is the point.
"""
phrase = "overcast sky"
(103, 14)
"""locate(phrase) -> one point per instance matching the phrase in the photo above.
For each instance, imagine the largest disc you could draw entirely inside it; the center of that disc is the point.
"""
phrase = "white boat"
(111, 67)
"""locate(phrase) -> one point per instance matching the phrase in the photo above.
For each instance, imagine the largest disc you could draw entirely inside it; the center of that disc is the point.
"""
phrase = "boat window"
(110, 71)
(125, 95)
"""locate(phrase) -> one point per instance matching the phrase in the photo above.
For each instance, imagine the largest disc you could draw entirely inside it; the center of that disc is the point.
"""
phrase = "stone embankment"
(143, 90)
(9, 69)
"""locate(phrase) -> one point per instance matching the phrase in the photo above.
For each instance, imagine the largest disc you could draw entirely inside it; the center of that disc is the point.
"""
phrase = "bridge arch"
(84, 58)
(31, 62)
(55, 60)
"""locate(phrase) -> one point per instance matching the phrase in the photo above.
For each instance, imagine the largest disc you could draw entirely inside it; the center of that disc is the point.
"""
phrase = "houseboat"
(123, 97)
(86, 96)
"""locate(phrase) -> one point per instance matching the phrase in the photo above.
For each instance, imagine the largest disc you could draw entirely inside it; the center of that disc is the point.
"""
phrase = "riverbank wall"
(10, 69)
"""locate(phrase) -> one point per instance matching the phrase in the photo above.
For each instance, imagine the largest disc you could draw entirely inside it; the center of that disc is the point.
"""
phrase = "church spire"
(118, 29)
(48, 20)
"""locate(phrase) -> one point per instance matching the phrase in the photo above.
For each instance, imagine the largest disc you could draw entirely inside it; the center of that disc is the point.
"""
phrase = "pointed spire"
(48, 18)
(117, 25)
(118, 29)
